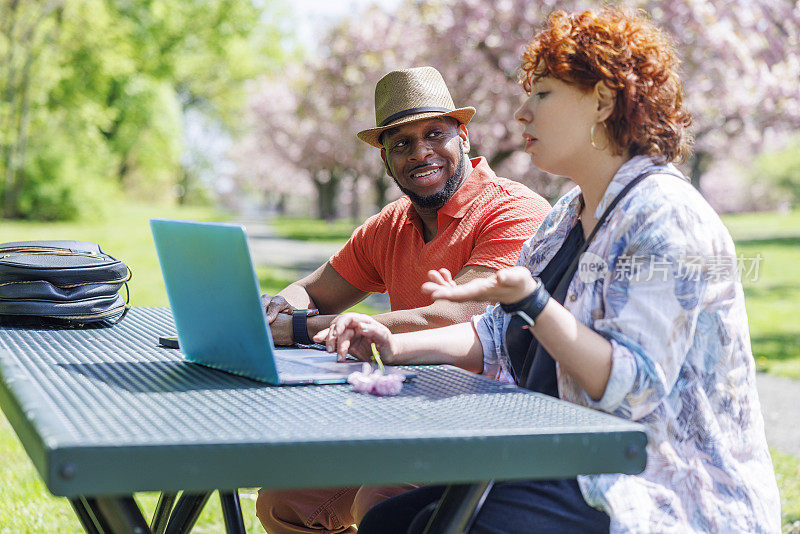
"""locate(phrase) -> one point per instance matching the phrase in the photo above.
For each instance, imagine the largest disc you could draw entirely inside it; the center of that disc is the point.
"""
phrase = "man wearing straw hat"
(456, 213)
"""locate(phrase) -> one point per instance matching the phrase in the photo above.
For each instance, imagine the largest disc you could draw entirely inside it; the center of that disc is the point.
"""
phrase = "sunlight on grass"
(272, 280)
(773, 305)
(762, 225)
(26, 507)
(126, 236)
(787, 473)
(305, 229)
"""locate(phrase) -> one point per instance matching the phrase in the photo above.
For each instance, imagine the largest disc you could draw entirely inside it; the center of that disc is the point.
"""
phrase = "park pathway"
(780, 397)
(780, 404)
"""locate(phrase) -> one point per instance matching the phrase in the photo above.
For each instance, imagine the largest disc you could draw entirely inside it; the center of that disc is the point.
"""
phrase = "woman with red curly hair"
(626, 300)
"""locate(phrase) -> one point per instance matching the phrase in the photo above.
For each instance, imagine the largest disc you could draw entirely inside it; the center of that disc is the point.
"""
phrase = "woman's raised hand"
(354, 333)
(505, 286)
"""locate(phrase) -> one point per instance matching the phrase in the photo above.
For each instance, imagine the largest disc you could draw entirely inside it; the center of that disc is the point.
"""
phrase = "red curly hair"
(631, 56)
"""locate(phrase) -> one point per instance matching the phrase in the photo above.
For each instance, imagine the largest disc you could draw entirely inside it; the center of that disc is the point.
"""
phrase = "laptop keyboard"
(312, 362)
(315, 346)
(286, 364)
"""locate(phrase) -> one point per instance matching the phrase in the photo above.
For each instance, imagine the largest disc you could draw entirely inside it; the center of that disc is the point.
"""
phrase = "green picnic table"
(105, 412)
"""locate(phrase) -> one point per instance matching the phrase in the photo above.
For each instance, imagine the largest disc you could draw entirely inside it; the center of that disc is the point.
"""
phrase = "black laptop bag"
(61, 281)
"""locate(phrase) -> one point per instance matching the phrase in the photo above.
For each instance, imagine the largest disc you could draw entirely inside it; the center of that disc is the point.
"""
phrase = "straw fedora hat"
(409, 95)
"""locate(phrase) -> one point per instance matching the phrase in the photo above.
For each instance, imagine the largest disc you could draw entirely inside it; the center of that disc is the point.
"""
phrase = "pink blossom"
(375, 382)
(740, 64)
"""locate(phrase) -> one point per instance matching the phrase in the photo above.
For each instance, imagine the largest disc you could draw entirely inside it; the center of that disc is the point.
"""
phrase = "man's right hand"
(354, 333)
(274, 306)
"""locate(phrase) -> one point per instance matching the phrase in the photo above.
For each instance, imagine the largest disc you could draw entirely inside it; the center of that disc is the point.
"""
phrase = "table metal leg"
(110, 515)
(458, 508)
(163, 510)
(186, 512)
(85, 515)
(232, 512)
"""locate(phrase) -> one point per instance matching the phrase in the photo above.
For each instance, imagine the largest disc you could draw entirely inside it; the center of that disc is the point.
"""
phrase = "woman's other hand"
(506, 286)
(354, 333)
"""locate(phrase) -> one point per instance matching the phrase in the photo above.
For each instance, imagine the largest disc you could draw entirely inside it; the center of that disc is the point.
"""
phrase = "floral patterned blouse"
(661, 282)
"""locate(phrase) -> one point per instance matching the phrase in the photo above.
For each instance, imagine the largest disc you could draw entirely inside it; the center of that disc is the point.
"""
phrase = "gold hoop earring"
(591, 137)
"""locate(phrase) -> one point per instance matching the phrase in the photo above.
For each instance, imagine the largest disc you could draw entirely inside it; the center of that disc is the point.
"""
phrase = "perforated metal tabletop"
(106, 411)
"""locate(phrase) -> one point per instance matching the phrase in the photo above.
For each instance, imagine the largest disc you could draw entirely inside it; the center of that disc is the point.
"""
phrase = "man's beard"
(437, 200)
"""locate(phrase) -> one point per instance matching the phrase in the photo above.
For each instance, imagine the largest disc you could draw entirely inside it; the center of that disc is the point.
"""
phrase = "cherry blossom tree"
(741, 72)
(309, 117)
(741, 60)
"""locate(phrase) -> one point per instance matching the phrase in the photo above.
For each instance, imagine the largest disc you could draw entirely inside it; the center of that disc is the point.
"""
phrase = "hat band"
(412, 111)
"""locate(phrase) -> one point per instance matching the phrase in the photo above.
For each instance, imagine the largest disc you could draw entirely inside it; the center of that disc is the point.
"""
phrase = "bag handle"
(127, 298)
(570, 272)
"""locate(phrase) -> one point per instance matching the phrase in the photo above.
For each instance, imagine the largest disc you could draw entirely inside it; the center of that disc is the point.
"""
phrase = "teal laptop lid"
(215, 297)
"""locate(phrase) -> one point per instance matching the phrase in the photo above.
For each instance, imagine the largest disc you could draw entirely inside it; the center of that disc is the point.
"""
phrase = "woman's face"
(557, 118)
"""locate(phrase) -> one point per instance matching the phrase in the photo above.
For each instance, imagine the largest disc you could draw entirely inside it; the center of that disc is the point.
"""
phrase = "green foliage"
(152, 154)
(106, 85)
(66, 174)
(781, 169)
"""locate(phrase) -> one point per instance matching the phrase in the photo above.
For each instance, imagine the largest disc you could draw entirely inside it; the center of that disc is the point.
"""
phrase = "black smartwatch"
(529, 308)
(300, 326)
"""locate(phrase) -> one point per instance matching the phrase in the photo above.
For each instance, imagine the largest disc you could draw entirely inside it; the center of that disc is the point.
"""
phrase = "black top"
(532, 366)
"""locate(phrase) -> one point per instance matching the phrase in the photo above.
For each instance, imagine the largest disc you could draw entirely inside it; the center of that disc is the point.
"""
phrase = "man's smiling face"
(426, 159)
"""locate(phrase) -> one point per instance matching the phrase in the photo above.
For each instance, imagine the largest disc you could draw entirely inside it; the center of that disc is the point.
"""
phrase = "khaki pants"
(331, 510)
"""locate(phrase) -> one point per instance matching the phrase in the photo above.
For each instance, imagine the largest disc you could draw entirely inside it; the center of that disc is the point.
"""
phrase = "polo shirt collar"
(469, 190)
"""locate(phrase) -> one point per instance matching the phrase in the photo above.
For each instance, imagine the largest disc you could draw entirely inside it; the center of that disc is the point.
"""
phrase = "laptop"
(216, 304)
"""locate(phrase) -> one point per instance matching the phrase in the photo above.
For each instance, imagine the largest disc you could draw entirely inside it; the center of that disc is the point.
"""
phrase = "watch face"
(310, 313)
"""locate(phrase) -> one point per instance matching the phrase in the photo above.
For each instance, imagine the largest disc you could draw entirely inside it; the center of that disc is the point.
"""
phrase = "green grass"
(773, 297)
(126, 236)
(763, 225)
(787, 472)
(305, 229)
(272, 280)
(26, 507)
(773, 305)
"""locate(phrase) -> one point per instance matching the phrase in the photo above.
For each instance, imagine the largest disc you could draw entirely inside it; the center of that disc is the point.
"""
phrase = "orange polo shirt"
(485, 223)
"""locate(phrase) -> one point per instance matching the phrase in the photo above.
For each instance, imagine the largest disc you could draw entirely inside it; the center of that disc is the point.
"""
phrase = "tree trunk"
(22, 134)
(183, 185)
(698, 164)
(355, 202)
(17, 95)
(280, 205)
(7, 150)
(327, 185)
(381, 189)
(499, 158)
